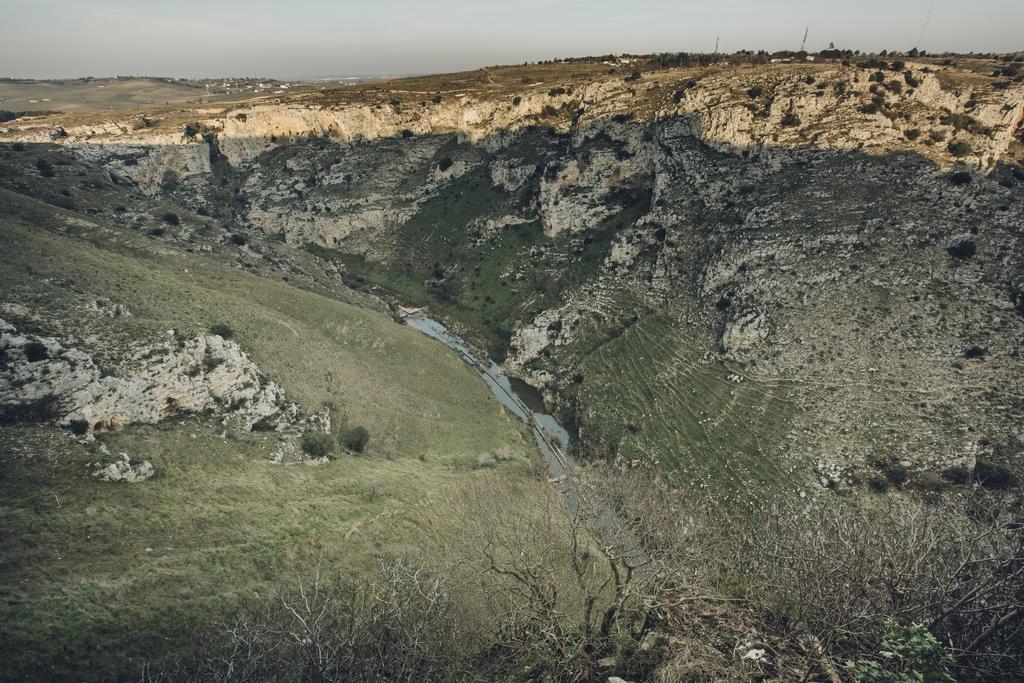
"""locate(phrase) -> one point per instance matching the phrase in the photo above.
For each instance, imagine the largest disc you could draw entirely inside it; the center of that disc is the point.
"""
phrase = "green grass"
(79, 591)
(322, 351)
(99, 576)
(659, 399)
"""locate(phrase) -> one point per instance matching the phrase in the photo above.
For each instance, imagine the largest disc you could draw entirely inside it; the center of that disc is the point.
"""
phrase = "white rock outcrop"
(744, 333)
(153, 381)
(125, 469)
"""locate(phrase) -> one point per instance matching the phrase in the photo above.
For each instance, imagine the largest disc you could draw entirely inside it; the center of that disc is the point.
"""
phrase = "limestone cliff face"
(153, 382)
(833, 109)
(735, 110)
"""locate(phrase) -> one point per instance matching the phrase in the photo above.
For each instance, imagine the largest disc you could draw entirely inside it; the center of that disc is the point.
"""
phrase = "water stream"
(521, 399)
(552, 440)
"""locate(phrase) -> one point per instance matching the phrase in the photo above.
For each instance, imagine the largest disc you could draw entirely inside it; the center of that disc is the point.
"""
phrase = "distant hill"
(93, 94)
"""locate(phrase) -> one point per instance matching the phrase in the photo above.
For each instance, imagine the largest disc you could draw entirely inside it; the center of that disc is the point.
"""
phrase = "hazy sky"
(309, 38)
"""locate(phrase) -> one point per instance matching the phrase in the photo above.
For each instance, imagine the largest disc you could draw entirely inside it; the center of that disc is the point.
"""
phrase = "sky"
(323, 38)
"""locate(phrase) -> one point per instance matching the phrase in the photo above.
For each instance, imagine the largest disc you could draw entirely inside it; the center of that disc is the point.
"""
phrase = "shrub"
(957, 474)
(171, 218)
(355, 439)
(635, 76)
(959, 148)
(42, 409)
(317, 444)
(157, 231)
(870, 108)
(878, 483)
(222, 330)
(912, 134)
(755, 92)
(790, 120)
(35, 351)
(45, 168)
(895, 473)
(169, 182)
(964, 122)
(239, 240)
(549, 110)
(993, 475)
(962, 249)
(444, 164)
(909, 653)
(974, 351)
(960, 178)
(516, 101)
(406, 133)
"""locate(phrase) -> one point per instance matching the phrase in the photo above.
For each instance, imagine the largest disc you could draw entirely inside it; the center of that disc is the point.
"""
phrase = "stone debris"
(106, 307)
(124, 469)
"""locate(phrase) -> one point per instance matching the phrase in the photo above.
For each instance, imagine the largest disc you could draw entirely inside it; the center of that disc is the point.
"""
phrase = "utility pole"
(924, 26)
(803, 43)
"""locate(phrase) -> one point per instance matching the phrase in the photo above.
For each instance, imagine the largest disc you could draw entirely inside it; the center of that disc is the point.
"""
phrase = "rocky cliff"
(780, 269)
(57, 380)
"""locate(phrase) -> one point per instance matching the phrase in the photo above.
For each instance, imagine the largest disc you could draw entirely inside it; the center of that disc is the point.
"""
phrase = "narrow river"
(552, 440)
(520, 398)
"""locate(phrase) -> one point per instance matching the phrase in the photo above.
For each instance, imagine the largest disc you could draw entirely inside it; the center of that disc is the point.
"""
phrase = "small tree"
(317, 444)
(222, 330)
(45, 168)
(959, 148)
(355, 440)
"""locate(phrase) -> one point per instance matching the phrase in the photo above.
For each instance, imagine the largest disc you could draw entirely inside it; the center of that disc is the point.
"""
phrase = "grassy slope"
(660, 400)
(80, 589)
